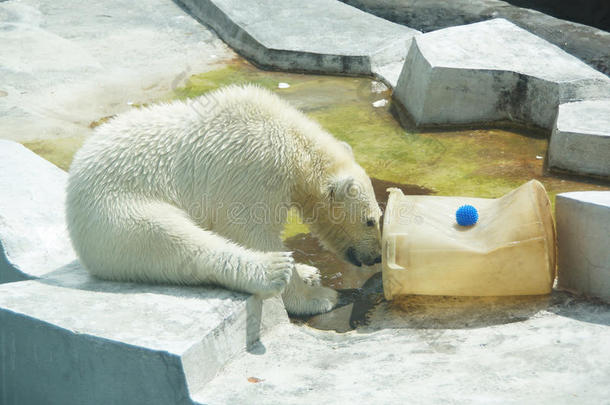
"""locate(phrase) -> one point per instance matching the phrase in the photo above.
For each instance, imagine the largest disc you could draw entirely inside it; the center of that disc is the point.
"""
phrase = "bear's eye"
(353, 191)
(370, 222)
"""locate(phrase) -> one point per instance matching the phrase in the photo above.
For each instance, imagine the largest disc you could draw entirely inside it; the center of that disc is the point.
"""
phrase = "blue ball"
(467, 215)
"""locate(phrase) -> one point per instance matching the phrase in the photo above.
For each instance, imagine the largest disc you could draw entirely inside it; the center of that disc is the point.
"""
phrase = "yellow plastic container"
(510, 250)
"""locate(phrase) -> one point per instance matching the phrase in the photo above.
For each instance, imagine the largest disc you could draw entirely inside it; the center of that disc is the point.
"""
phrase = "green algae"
(481, 162)
(58, 151)
(294, 225)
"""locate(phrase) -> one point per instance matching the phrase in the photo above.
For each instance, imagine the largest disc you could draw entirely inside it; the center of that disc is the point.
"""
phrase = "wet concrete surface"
(360, 288)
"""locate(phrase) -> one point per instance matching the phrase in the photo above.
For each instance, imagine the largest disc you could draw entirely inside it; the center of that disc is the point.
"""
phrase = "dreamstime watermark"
(203, 104)
(207, 211)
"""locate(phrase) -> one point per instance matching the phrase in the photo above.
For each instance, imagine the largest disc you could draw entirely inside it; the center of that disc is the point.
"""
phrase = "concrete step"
(585, 42)
(553, 351)
(492, 71)
(583, 241)
(33, 236)
(580, 142)
(70, 339)
(315, 36)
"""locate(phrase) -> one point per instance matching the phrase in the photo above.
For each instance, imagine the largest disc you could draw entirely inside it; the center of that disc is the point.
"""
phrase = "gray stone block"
(587, 43)
(491, 71)
(316, 36)
(583, 241)
(532, 357)
(69, 339)
(33, 235)
(580, 142)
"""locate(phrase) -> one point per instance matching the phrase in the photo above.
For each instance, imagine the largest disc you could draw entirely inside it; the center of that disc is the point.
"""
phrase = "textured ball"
(467, 215)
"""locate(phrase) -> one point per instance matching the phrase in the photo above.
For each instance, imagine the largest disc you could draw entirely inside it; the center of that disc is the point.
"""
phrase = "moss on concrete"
(58, 151)
(483, 163)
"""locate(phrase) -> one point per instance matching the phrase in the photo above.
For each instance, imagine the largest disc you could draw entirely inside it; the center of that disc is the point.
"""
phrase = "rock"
(33, 235)
(589, 44)
(297, 36)
(70, 339)
(580, 142)
(545, 357)
(491, 71)
(583, 239)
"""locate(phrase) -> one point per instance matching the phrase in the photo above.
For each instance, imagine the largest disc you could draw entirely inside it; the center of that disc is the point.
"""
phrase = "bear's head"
(347, 219)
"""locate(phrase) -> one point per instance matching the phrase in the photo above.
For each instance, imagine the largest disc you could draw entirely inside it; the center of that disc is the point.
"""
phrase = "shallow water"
(470, 162)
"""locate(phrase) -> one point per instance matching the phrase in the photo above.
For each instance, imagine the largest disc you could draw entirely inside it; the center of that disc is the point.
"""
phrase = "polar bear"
(197, 192)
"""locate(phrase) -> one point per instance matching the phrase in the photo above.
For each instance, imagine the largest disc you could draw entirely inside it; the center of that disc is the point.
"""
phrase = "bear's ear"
(340, 187)
(347, 147)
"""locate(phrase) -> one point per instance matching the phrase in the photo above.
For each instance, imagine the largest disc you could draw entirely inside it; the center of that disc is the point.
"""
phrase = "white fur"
(174, 193)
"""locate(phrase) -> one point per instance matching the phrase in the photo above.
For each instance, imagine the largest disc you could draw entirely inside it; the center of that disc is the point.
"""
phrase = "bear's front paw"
(315, 300)
(277, 268)
(309, 274)
(322, 299)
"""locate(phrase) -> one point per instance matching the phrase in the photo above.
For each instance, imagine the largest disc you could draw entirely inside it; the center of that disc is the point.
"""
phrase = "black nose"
(351, 257)
(378, 259)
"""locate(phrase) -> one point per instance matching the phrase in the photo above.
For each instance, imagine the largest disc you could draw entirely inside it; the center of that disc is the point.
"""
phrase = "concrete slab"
(84, 340)
(33, 236)
(492, 71)
(580, 141)
(316, 36)
(84, 61)
(556, 354)
(583, 239)
(591, 45)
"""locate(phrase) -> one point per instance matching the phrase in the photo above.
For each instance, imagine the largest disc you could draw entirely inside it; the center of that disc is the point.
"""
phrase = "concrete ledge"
(315, 36)
(580, 142)
(79, 338)
(491, 71)
(583, 239)
(33, 235)
(545, 359)
(586, 43)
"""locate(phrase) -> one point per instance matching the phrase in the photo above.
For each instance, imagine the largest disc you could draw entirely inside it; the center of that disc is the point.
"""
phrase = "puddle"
(470, 162)
(366, 310)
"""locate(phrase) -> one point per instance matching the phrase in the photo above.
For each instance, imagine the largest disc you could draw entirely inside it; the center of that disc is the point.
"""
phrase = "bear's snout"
(354, 258)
